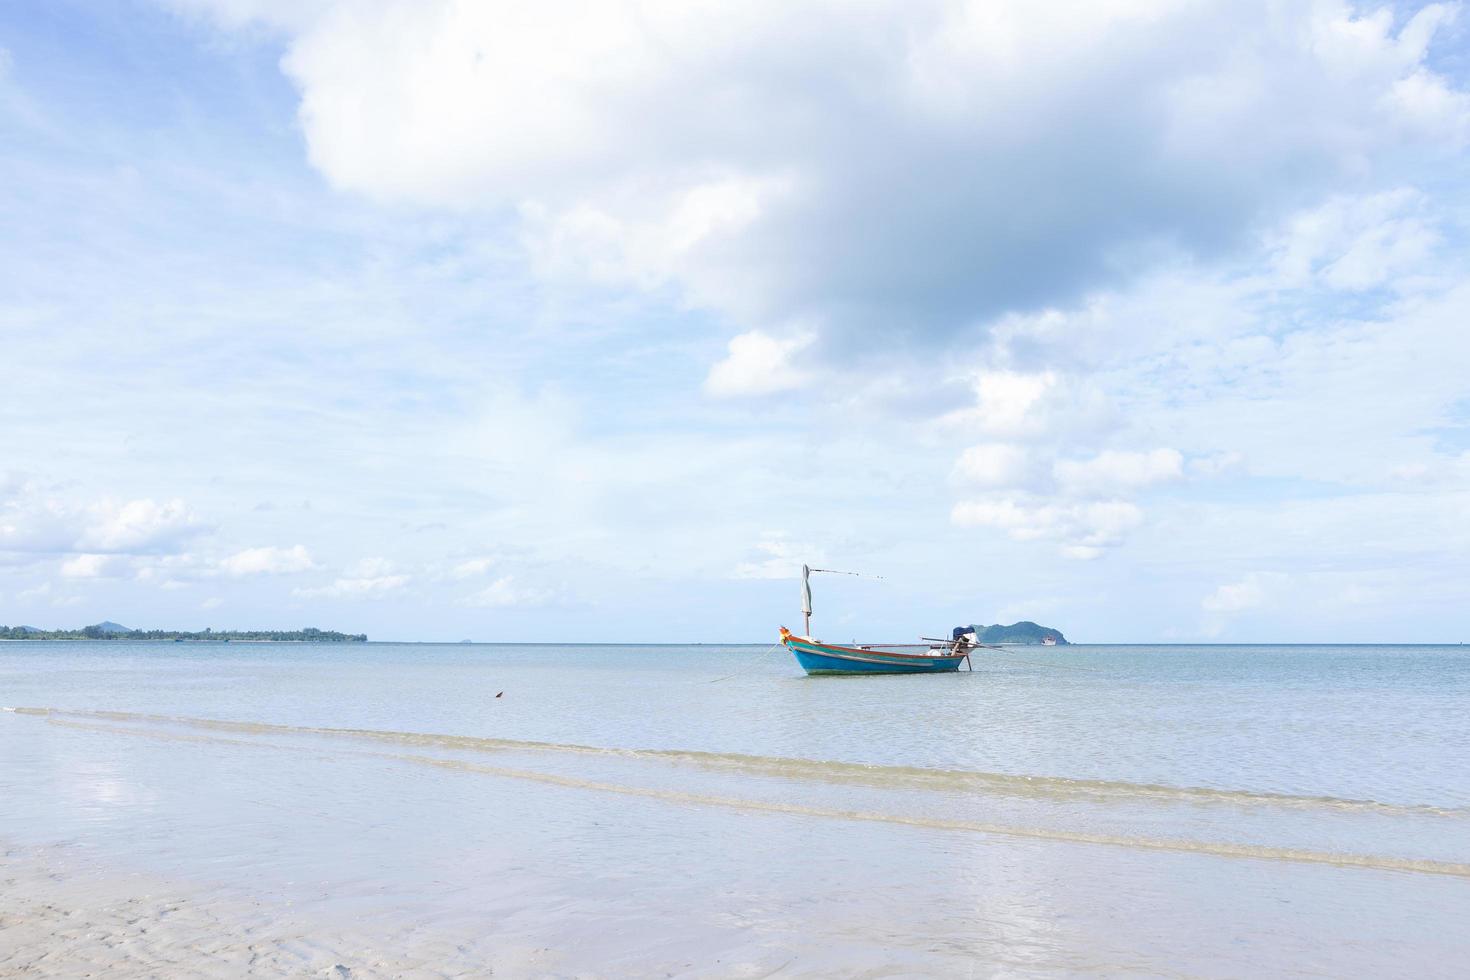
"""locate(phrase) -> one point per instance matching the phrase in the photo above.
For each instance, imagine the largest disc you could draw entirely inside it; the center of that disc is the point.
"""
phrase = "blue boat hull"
(821, 659)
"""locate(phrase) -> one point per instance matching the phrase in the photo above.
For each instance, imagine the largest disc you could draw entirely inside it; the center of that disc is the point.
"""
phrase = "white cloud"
(504, 592)
(32, 523)
(1079, 505)
(1214, 464)
(1235, 597)
(725, 148)
(268, 561)
(1358, 242)
(1113, 472)
(1008, 403)
(608, 246)
(367, 578)
(44, 592)
(354, 588)
(1042, 410)
(138, 525)
(374, 567)
(1251, 592)
(473, 567)
(38, 522)
(89, 566)
(778, 558)
(170, 571)
(758, 364)
(1083, 530)
(993, 465)
(1309, 387)
(213, 602)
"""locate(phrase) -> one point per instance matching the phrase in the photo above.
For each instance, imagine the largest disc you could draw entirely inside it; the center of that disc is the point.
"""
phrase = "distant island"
(109, 630)
(1022, 632)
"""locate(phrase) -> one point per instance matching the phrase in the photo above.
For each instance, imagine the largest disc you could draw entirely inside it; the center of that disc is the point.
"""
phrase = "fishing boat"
(816, 657)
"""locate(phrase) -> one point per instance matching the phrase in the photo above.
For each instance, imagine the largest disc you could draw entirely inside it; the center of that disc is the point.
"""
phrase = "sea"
(708, 810)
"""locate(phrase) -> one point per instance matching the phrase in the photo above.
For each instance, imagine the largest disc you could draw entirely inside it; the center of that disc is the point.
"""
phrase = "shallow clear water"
(1185, 810)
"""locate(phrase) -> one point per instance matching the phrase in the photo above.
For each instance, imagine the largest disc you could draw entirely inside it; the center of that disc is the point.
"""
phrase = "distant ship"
(1048, 641)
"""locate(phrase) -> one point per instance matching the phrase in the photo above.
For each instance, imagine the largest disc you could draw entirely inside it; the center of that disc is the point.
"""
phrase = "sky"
(592, 321)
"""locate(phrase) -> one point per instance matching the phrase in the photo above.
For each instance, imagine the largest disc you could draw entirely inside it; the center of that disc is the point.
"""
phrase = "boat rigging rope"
(767, 653)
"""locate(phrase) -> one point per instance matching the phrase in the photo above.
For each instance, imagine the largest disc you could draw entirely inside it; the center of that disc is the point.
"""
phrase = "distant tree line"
(309, 635)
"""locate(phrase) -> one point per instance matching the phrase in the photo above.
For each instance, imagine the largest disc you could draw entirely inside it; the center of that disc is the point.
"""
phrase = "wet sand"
(59, 921)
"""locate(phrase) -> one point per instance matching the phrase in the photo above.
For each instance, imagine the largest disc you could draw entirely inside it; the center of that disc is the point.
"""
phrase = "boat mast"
(806, 591)
(806, 600)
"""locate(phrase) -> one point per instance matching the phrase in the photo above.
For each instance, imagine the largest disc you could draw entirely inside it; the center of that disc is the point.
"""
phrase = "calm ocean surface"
(708, 810)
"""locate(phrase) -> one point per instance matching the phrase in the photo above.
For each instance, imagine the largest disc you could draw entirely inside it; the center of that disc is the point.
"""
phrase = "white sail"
(806, 591)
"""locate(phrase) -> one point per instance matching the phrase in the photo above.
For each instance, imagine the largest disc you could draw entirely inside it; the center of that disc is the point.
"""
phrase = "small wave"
(841, 773)
(1258, 852)
(1218, 849)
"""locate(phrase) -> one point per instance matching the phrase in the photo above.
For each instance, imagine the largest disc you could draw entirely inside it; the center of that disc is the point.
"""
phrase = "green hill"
(1022, 632)
(108, 626)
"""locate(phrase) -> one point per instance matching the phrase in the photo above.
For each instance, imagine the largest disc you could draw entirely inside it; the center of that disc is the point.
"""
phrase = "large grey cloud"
(908, 167)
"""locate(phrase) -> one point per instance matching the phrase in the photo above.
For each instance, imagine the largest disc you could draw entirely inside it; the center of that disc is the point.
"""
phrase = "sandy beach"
(58, 920)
